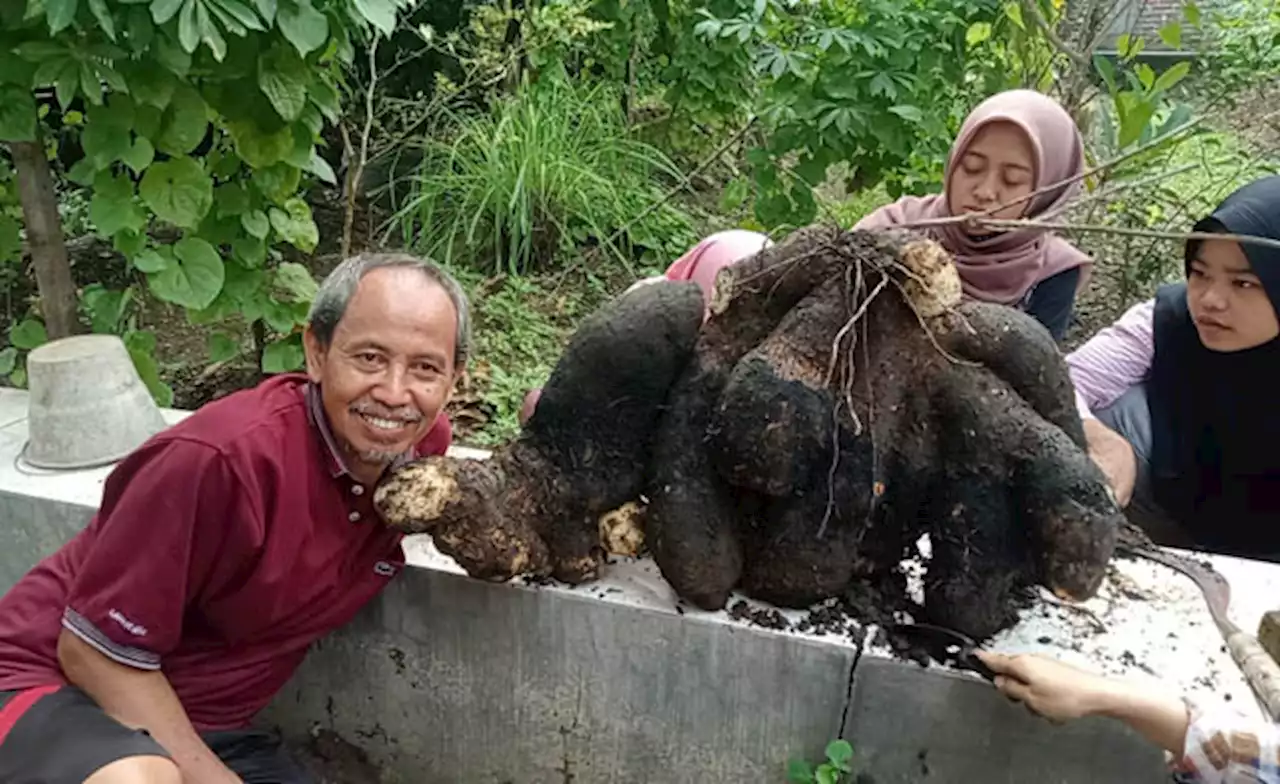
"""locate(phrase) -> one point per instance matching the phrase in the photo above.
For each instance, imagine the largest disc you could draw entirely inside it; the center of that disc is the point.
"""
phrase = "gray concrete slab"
(908, 724)
(447, 679)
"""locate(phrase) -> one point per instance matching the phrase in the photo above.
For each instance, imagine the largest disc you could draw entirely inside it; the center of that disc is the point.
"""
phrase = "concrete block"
(908, 724)
(447, 679)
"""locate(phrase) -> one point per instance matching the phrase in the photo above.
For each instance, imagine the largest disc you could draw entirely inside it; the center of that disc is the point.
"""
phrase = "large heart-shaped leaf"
(184, 123)
(293, 283)
(195, 280)
(302, 25)
(283, 78)
(28, 334)
(112, 207)
(178, 191)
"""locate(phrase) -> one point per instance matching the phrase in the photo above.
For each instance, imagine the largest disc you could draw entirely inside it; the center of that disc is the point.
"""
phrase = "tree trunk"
(44, 238)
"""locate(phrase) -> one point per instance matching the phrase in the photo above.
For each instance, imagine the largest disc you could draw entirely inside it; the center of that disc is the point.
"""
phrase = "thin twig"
(684, 183)
(356, 174)
(1127, 232)
(1052, 35)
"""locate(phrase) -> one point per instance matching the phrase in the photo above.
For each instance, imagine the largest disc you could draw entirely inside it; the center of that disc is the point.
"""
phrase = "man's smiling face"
(389, 369)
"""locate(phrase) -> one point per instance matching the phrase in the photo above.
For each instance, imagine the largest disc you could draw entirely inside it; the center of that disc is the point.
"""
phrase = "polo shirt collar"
(337, 464)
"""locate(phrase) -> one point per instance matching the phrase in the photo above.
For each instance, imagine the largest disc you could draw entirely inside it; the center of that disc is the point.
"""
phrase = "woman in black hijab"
(1181, 398)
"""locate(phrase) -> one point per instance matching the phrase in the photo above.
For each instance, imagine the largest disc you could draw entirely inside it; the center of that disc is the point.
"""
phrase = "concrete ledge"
(447, 679)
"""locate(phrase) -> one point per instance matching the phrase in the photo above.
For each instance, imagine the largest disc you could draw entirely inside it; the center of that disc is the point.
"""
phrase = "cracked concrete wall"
(446, 679)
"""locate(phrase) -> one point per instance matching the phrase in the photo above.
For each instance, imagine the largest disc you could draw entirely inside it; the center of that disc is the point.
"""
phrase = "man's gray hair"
(335, 294)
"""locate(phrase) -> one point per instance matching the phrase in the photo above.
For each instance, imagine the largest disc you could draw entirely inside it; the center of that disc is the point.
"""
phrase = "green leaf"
(222, 347)
(164, 10)
(826, 775)
(1107, 71)
(140, 155)
(1014, 12)
(188, 32)
(266, 9)
(28, 334)
(293, 283)
(1174, 74)
(10, 239)
(90, 84)
(60, 14)
(326, 98)
(977, 33)
(8, 360)
(1134, 116)
(152, 86)
(139, 30)
(129, 243)
(178, 191)
(277, 182)
(83, 171)
(231, 199)
(255, 223)
(1124, 42)
(260, 150)
(1191, 12)
(295, 225)
(15, 69)
(17, 114)
(908, 113)
(1145, 75)
(321, 169)
(882, 84)
(209, 32)
(106, 308)
(840, 753)
(184, 123)
(1171, 34)
(379, 13)
(142, 346)
(103, 15)
(105, 143)
(171, 56)
(283, 355)
(19, 378)
(195, 281)
(249, 251)
(799, 772)
(67, 83)
(243, 285)
(240, 12)
(112, 207)
(152, 261)
(283, 78)
(302, 25)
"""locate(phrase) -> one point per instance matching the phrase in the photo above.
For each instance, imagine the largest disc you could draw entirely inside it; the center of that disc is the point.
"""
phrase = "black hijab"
(1216, 415)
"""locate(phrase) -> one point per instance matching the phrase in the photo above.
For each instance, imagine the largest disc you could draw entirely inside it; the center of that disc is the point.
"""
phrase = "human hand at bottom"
(1053, 689)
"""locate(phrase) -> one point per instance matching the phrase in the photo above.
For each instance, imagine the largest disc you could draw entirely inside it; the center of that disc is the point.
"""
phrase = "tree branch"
(1030, 7)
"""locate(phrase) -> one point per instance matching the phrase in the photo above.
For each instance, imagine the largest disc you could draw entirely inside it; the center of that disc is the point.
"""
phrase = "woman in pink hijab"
(700, 265)
(1011, 145)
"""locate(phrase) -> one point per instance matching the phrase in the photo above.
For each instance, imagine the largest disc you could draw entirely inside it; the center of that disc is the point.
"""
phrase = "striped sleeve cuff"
(127, 655)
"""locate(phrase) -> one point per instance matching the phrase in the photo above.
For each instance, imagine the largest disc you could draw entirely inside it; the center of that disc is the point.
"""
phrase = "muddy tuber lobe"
(535, 506)
(860, 405)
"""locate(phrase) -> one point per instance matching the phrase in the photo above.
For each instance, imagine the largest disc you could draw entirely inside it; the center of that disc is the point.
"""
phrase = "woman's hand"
(1060, 693)
(1114, 456)
(1055, 690)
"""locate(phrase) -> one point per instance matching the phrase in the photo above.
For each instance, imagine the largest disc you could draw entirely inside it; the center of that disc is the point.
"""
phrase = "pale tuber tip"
(414, 497)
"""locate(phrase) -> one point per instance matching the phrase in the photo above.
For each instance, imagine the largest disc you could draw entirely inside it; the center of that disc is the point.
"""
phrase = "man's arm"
(173, 527)
(142, 699)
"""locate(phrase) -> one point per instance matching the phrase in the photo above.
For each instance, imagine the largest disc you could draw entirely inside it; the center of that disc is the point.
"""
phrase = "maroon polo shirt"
(223, 548)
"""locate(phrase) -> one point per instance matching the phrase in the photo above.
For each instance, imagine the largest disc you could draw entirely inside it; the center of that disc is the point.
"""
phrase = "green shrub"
(541, 174)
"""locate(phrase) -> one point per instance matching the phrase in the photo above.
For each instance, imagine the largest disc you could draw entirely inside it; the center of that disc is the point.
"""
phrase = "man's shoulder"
(248, 418)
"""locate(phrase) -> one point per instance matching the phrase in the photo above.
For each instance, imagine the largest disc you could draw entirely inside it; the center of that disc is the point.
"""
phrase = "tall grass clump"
(543, 172)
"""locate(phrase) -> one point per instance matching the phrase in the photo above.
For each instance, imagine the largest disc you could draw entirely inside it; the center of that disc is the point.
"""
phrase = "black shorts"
(61, 736)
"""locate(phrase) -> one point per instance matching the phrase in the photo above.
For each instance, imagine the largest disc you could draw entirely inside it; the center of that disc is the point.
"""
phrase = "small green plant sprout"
(838, 768)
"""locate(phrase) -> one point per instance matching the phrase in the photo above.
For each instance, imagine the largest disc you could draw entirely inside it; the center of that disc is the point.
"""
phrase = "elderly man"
(225, 546)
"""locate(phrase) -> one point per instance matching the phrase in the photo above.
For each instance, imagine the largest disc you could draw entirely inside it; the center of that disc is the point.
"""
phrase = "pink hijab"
(701, 263)
(1002, 268)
